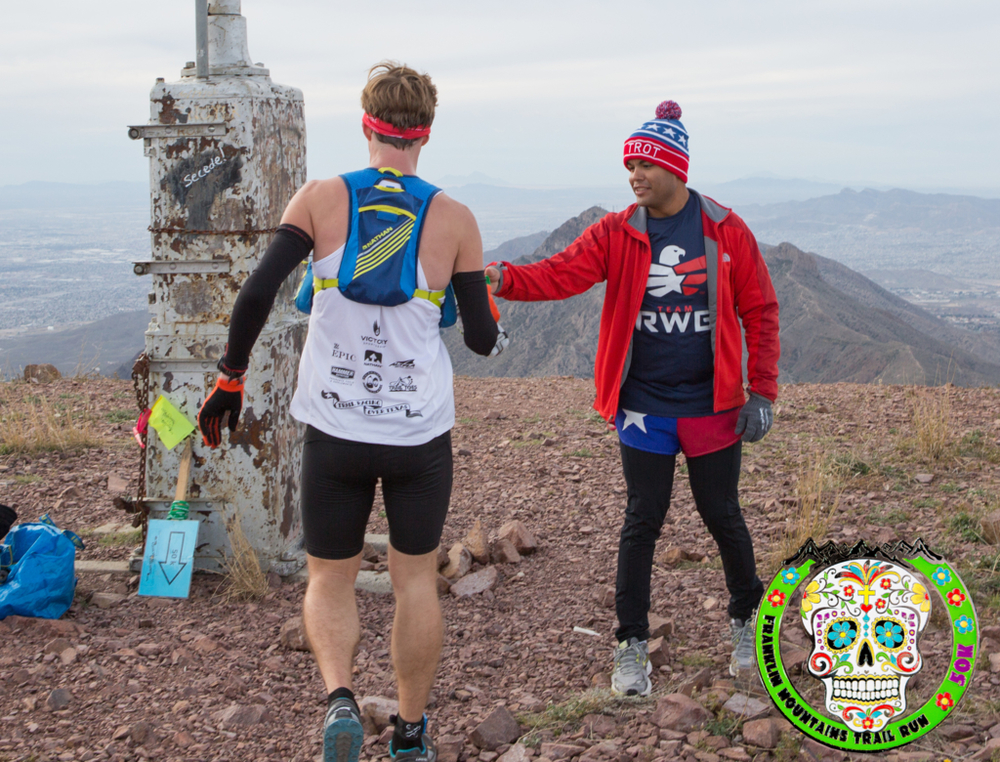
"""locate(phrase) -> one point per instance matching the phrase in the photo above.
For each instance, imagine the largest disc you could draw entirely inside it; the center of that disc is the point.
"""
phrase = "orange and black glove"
(226, 397)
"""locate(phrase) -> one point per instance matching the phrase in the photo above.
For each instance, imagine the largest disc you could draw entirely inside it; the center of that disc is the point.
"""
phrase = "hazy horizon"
(543, 95)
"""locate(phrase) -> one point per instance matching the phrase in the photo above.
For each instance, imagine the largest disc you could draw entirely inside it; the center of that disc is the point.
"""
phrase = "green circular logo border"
(894, 734)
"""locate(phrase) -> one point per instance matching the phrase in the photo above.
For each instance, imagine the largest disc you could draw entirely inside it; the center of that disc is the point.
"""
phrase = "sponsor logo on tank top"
(373, 341)
(373, 358)
(372, 381)
(340, 354)
(372, 406)
(341, 375)
(403, 384)
(376, 328)
(402, 364)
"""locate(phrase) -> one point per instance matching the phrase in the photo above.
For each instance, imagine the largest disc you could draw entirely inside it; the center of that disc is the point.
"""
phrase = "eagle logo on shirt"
(671, 276)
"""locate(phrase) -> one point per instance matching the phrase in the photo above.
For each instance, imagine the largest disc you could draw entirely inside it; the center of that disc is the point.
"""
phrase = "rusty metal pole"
(226, 153)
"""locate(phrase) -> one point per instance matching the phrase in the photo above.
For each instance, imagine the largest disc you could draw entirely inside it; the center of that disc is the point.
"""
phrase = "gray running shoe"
(744, 661)
(632, 668)
(426, 752)
(342, 732)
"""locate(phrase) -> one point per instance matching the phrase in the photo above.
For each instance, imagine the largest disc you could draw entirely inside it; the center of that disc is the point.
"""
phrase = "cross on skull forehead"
(864, 617)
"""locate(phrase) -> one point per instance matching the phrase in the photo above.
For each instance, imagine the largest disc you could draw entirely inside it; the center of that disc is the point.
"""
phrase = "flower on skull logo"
(941, 576)
(810, 596)
(880, 605)
(920, 598)
(956, 597)
(945, 701)
(964, 625)
(842, 634)
(776, 598)
(848, 591)
(886, 583)
(889, 634)
(867, 723)
(790, 576)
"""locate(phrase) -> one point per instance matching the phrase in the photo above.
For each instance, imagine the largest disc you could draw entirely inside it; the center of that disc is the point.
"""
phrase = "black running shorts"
(338, 491)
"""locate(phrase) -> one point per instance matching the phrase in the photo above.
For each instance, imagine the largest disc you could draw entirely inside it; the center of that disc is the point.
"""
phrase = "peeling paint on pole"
(227, 153)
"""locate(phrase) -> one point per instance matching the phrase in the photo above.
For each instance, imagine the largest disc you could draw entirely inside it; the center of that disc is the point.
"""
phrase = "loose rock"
(523, 540)
(293, 634)
(679, 712)
(58, 699)
(498, 728)
(475, 543)
(473, 584)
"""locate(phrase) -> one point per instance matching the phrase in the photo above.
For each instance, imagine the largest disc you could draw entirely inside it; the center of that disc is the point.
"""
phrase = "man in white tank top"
(344, 456)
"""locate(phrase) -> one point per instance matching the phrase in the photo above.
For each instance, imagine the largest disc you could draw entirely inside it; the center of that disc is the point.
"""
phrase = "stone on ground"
(764, 734)
(474, 584)
(459, 562)
(375, 712)
(747, 706)
(498, 728)
(504, 552)
(475, 543)
(241, 716)
(680, 712)
(518, 534)
(293, 634)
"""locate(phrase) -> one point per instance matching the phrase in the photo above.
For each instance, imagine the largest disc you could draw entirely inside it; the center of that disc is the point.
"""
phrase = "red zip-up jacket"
(617, 250)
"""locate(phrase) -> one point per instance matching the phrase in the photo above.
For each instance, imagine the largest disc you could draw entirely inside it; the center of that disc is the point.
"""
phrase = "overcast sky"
(894, 92)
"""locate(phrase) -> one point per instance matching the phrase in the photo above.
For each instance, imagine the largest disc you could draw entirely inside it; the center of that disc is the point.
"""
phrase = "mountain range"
(836, 325)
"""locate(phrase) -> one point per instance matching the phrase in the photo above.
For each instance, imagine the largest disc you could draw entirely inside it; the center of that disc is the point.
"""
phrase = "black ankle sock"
(339, 694)
(407, 735)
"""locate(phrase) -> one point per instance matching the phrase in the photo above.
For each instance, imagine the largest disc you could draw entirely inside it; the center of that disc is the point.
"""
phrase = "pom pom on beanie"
(668, 110)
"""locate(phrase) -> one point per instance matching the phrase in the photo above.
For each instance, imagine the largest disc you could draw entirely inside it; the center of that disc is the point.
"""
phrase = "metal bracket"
(199, 130)
(198, 505)
(165, 267)
(189, 365)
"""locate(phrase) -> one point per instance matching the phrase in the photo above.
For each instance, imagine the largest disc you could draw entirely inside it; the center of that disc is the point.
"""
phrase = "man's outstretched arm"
(572, 271)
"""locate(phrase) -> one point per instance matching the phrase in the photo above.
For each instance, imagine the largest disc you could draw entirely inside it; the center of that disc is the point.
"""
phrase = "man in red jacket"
(683, 273)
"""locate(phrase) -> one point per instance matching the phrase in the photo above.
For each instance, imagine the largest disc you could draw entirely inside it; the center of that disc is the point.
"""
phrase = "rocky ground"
(126, 678)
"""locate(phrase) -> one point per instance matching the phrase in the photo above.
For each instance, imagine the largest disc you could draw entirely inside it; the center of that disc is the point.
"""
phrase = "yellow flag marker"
(170, 423)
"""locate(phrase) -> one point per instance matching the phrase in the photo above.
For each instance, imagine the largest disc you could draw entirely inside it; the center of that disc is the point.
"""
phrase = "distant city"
(66, 252)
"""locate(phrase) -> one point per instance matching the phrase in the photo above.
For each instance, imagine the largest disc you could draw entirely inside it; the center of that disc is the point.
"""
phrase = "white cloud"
(901, 91)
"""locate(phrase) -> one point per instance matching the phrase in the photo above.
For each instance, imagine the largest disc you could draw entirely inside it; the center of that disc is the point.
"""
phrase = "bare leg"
(331, 618)
(417, 630)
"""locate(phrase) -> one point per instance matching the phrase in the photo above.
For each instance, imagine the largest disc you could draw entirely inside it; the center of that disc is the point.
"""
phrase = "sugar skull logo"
(864, 609)
(865, 618)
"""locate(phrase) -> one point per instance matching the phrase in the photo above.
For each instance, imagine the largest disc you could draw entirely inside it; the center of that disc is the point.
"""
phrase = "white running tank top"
(374, 374)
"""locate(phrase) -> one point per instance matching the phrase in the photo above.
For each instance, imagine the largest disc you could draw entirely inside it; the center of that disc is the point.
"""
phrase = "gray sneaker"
(632, 669)
(342, 732)
(744, 661)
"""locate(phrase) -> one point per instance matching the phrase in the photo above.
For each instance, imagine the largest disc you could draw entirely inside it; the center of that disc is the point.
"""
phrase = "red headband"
(384, 128)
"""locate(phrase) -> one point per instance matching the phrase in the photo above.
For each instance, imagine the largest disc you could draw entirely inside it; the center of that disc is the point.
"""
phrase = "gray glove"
(755, 418)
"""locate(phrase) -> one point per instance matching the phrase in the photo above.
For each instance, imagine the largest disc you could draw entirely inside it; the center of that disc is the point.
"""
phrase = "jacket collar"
(636, 215)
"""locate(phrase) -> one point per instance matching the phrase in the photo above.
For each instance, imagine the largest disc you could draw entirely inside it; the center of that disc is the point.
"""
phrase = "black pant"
(338, 490)
(714, 484)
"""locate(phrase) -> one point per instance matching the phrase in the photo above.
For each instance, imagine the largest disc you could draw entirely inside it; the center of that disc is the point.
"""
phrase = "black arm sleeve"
(289, 247)
(480, 330)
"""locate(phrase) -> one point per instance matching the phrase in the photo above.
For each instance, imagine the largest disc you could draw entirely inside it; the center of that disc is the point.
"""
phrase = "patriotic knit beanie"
(662, 141)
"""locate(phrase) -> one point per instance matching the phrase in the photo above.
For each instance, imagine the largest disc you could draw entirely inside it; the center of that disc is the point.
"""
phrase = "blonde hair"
(400, 96)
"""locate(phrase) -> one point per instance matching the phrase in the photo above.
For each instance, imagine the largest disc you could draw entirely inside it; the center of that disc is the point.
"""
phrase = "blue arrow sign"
(169, 558)
(173, 565)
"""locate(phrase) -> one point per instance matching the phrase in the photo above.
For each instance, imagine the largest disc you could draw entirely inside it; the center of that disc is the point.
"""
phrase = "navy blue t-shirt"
(672, 369)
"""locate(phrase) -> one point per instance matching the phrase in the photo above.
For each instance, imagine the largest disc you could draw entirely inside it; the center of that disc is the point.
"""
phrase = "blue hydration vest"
(379, 265)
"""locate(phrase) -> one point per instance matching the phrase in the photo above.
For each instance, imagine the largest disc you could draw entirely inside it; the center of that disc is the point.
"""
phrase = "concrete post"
(227, 153)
